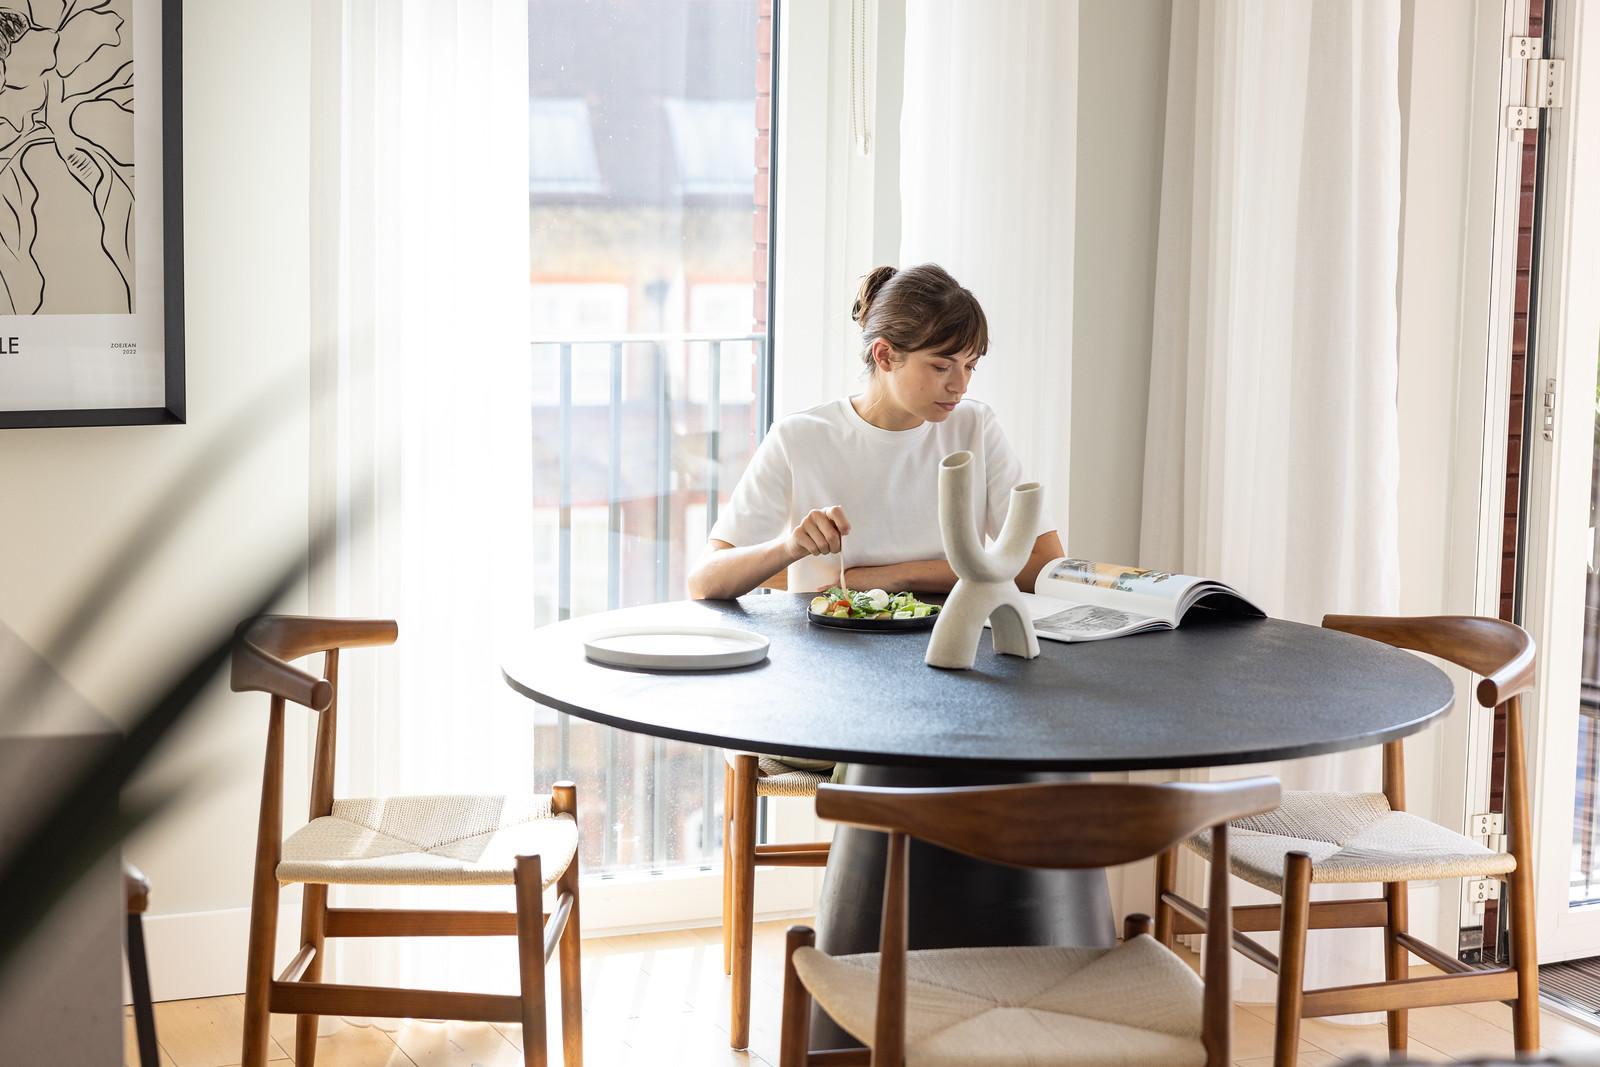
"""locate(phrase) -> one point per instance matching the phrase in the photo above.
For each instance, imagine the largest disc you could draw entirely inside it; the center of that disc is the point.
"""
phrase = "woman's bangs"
(963, 328)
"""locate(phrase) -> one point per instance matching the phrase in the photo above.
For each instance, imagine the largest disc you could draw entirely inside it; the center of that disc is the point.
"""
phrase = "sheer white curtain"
(421, 397)
(987, 182)
(1271, 456)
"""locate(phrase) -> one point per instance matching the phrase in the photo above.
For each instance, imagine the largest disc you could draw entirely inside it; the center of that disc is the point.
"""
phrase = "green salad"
(872, 604)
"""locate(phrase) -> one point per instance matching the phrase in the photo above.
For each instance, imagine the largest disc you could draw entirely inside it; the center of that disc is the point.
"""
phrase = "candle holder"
(986, 590)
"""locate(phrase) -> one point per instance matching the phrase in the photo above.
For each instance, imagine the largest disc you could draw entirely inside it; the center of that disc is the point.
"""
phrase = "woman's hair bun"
(871, 285)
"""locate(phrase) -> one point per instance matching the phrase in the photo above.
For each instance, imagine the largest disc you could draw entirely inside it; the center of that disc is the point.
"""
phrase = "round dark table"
(1220, 690)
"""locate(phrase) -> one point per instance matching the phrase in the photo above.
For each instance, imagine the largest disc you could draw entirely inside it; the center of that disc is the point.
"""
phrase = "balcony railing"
(1584, 885)
(650, 448)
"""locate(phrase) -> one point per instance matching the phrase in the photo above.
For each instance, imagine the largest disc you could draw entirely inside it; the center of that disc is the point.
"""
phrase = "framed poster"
(91, 264)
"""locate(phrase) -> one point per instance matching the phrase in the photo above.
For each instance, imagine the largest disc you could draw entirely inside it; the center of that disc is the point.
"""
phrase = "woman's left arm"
(1045, 548)
(935, 575)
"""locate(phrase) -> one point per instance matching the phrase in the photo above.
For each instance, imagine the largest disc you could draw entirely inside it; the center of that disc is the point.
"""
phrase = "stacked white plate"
(676, 648)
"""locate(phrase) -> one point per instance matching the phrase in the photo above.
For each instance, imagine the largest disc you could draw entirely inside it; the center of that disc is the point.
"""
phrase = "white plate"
(676, 648)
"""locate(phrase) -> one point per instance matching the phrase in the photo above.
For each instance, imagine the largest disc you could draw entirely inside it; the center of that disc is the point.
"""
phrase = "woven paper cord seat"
(1351, 837)
(780, 780)
(429, 840)
(1133, 1004)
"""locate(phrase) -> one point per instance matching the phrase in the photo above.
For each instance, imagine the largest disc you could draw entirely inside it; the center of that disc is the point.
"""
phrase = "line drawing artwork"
(66, 157)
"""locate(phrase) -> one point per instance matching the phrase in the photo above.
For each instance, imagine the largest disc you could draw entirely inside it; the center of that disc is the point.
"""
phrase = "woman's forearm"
(935, 575)
(725, 572)
(1045, 548)
(918, 576)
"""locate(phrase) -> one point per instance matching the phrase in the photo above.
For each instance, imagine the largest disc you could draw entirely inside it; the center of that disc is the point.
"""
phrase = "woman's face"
(927, 384)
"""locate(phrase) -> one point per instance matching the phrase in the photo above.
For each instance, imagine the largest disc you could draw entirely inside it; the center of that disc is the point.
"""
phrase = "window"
(707, 145)
(647, 201)
(561, 157)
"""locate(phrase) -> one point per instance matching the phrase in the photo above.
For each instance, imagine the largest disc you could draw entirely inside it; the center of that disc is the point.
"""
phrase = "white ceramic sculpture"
(987, 588)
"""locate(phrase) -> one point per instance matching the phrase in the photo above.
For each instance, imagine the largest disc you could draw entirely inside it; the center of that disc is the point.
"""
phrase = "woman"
(860, 474)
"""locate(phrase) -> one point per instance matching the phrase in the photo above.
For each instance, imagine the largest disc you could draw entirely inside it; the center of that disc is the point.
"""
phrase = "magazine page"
(1060, 620)
(1218, 597)
(1138, 591)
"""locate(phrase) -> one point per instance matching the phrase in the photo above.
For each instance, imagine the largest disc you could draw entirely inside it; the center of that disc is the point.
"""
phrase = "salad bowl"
(873, 611)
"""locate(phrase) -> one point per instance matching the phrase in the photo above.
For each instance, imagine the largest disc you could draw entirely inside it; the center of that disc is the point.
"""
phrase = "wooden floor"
(661, 999)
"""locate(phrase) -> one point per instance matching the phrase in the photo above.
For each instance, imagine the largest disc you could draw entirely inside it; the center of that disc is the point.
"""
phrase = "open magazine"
(1079, 600)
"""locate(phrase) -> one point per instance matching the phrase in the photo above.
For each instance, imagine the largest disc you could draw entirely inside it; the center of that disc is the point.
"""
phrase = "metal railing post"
(614, 486)
(714, 436)
(663, 471)
(564, 534)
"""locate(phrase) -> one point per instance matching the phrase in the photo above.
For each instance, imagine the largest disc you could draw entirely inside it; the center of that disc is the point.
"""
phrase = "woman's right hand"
(821, 532)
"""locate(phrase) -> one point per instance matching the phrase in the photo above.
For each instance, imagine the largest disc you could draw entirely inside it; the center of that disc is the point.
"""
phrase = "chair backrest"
(1057, 825)
(1051, 825)
(1501, 652)
(261, 664)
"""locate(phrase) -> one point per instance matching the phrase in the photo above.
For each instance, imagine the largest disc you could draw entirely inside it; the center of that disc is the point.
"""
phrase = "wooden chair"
(1040, 1004)
(136, 887)
(1369, 837)
(744, 780)
(527, 842)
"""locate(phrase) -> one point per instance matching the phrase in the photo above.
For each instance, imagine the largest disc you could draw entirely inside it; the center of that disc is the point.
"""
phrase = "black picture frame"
(174, 407)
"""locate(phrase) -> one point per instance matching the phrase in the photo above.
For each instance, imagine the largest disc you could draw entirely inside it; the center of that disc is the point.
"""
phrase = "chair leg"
(744, 891)
(530, 959)
(570, 947)
(727, 867)
(1525, 1013)
(1295, 921)
(144, 1015)
(313, 921)
(1519, 886)
(796, 1026)
(1395, 962)
(258, 972)
(1166, 882)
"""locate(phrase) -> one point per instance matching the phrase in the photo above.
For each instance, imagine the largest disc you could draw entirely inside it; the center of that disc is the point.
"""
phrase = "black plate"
(879, 626)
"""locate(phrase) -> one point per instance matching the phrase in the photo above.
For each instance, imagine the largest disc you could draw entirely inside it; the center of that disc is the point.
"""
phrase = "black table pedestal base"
(955, 901)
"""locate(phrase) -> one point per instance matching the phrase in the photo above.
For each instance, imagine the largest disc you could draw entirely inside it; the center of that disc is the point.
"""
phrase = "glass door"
(1583, 886)
(1557, 561)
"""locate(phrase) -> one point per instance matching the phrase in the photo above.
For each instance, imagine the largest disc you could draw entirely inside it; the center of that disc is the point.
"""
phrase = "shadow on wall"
(58, 837)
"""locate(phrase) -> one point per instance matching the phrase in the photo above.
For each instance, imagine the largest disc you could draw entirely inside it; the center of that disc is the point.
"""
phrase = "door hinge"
(1486, 824)
(1522, 118)
(1527, 47)
(1491, 827)
(1546, 82)
(1480, 890)
(1543, 85)
(1549, 409)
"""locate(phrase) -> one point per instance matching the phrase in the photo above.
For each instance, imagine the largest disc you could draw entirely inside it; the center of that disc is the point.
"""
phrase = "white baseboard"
(202, 953)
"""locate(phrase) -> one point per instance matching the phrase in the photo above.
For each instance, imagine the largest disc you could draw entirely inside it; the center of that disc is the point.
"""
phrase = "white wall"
(1122, 97)
(70, 495)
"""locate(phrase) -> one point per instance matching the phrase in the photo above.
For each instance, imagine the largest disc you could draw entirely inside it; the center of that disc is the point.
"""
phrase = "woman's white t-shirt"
(887, 481)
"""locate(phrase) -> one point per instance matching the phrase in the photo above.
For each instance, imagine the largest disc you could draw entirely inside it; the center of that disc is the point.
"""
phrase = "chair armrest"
(258, 671)
(292, 636)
